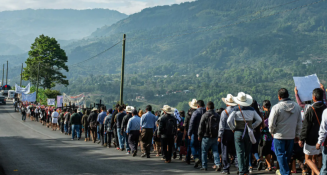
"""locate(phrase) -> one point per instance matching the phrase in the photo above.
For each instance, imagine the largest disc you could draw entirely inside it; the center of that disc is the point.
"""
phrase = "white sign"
(29, 97)
(305, 86)
(21, 90)
(78, 100)
(51, 101)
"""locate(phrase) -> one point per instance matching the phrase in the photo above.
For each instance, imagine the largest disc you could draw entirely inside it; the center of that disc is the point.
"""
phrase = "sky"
(124, 6)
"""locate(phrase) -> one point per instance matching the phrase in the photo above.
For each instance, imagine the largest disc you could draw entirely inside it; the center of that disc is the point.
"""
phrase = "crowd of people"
(243, 134)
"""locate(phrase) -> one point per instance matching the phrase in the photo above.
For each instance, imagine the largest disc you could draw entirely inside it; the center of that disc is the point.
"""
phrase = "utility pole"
(21, 75)
(3, 74)
(7, 74)
(122, 72)
(37, 84)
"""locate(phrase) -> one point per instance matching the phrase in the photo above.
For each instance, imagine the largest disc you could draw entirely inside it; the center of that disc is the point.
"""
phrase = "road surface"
(30, 148)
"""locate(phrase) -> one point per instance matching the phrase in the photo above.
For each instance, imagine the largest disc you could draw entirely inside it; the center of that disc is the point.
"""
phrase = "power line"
(233, 24)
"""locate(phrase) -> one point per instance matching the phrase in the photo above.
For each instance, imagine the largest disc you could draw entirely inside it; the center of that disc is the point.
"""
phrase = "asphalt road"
(30, 148)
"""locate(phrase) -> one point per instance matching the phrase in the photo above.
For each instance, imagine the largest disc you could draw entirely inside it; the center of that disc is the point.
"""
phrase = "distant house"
(197, 75)
(307, 62)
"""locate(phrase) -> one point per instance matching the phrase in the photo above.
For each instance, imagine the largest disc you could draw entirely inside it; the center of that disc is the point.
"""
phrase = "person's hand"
(233, 131)
(126, 133)
(219, 139)
(318, 146)
(295, 90)
(297, 139)
(199, 138)
(301, 144)
(322, 87)
(189, 137)
(183, 138)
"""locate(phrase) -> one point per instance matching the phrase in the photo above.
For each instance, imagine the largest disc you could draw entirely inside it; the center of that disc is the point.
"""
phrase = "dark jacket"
(67, 118)
(113, 123)
(61, 117)
(75, 119)
(119, 119)
(187, 119)
(203, 130)
(92, 117)
(195, 121)
(162, 125)
(85, 122)
(310, 126)
(125, 121)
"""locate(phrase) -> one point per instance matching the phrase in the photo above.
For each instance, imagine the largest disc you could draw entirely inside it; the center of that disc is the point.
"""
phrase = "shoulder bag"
(250, 131)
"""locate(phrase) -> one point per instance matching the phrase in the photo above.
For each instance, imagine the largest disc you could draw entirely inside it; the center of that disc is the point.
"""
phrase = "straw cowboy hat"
(94, 109)
(168, 109)
(193, 104)
(229, 100)
(129, 109)
(243, 99)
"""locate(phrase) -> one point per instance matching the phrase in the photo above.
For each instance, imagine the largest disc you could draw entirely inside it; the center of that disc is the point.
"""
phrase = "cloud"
(124, 6)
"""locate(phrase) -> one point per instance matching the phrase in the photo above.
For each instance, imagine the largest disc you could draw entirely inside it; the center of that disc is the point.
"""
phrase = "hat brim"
(228, 103)
(248, 102)
(172, 112)
(130, 110)
(194, 107)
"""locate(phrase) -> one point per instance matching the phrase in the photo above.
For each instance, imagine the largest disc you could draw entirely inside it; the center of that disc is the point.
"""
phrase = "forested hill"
(19, 28)
(204, 37)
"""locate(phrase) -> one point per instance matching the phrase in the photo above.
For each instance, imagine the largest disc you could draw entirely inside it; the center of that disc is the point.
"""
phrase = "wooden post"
(122, 73)
(7, 74)
(21, 75)
(37, 85)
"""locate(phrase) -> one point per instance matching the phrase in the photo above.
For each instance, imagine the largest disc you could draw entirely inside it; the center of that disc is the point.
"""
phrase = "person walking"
(102, 115)
(92, 120)
(322, 142)
(108, 130)
(54, 116)
(61, 119)
(85, 124)
(193, 132)
(23, 111)
(148, 122)
(208, 135)
(133, 131)
(119, 119)
(168, 131)
(114, 127)
(186, 124)
(238, 121)
(285, 123)
(310, 131)
(75, 121)
(129, 110)
(226, 136)
(66, 122)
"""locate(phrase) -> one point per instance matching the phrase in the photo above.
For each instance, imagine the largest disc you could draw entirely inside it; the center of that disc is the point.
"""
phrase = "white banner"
(21, 90)
(29, 97)
(78, 100)
(305, 86)
(51, 101)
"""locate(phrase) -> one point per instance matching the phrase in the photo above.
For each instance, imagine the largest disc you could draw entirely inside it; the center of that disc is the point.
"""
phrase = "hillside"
(18, 29)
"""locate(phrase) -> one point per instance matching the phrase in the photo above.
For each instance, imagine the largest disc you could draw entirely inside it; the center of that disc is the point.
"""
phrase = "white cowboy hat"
(193, 104)
(243, 99)
(129, 109)
(229, 100)
(168, 109)
(94, 109)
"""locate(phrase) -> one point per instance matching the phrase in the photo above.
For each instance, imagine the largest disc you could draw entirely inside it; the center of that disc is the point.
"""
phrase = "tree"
(46, 51)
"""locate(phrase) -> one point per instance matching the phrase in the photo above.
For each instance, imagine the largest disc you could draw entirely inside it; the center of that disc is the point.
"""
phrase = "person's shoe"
(85, 140)
(188, 162)
(218, 168)
(148, 156)
(260, 165)
(204, 169)
(134, 153)
(99, 141)
(175, 155)
(123, 149)
(278, 172)
(162, 159)
(109, 146)
(105, 145)
(72, 139)
(78, 138)
(128, 152)
(143, 155)
(197, 162)
(250, 170)
(225, 172)
(167, 161)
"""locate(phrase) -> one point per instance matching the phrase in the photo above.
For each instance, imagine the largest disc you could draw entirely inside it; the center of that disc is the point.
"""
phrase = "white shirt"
(323, 128)
(55, 114)
(249, 115)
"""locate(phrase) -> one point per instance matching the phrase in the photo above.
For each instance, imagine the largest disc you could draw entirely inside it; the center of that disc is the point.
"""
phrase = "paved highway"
(30, 148)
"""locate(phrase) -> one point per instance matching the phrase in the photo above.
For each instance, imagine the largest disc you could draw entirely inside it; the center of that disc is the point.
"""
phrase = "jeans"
(98, 131)
(66, 128)
(126, 140)
(77, 129)
(208, 143)
(107, 137)
(195, 147)
(254, 149)
(243, 148)
(228, 148)
(188, 146)
(121, 139)
(323, 170)
(283, 151)
(23, 117)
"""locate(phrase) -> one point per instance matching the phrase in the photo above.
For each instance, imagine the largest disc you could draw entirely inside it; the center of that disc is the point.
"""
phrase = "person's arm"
(141, 121)
(161, 126)
(191, 125)
(298, 100)
(230, 120)
(298, 125)
(305, 126)
(272, 120)
(258, 120)
(323, 128)
(129, 125)
(222, 124)
(202, 127)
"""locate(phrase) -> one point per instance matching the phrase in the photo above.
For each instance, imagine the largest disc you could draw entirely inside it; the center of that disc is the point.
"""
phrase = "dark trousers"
(228, 148)
(133, 139)
(101, 130)
(62, 126)
(146, 138)
(116, 137)
(36, 116)
(107, 138)
(167, 142)
(243, 147)
(69, 129)
(188, 146)
(87, 132)
(94, 134)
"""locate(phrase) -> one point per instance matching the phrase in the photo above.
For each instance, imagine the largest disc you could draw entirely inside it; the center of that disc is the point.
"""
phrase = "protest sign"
(51, 101)
(59, 101)
(78, 100)
(21, 90)
(305, 86)
(29, 97)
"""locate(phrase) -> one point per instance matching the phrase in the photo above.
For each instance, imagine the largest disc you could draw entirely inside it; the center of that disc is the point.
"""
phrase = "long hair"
(266, 104)
(255, 106)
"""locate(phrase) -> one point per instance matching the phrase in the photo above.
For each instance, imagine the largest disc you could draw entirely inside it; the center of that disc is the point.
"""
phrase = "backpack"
(171, 127)
(212, 126)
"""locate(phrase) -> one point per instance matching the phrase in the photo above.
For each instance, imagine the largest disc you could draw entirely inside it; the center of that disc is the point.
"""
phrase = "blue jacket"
(195, 121)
